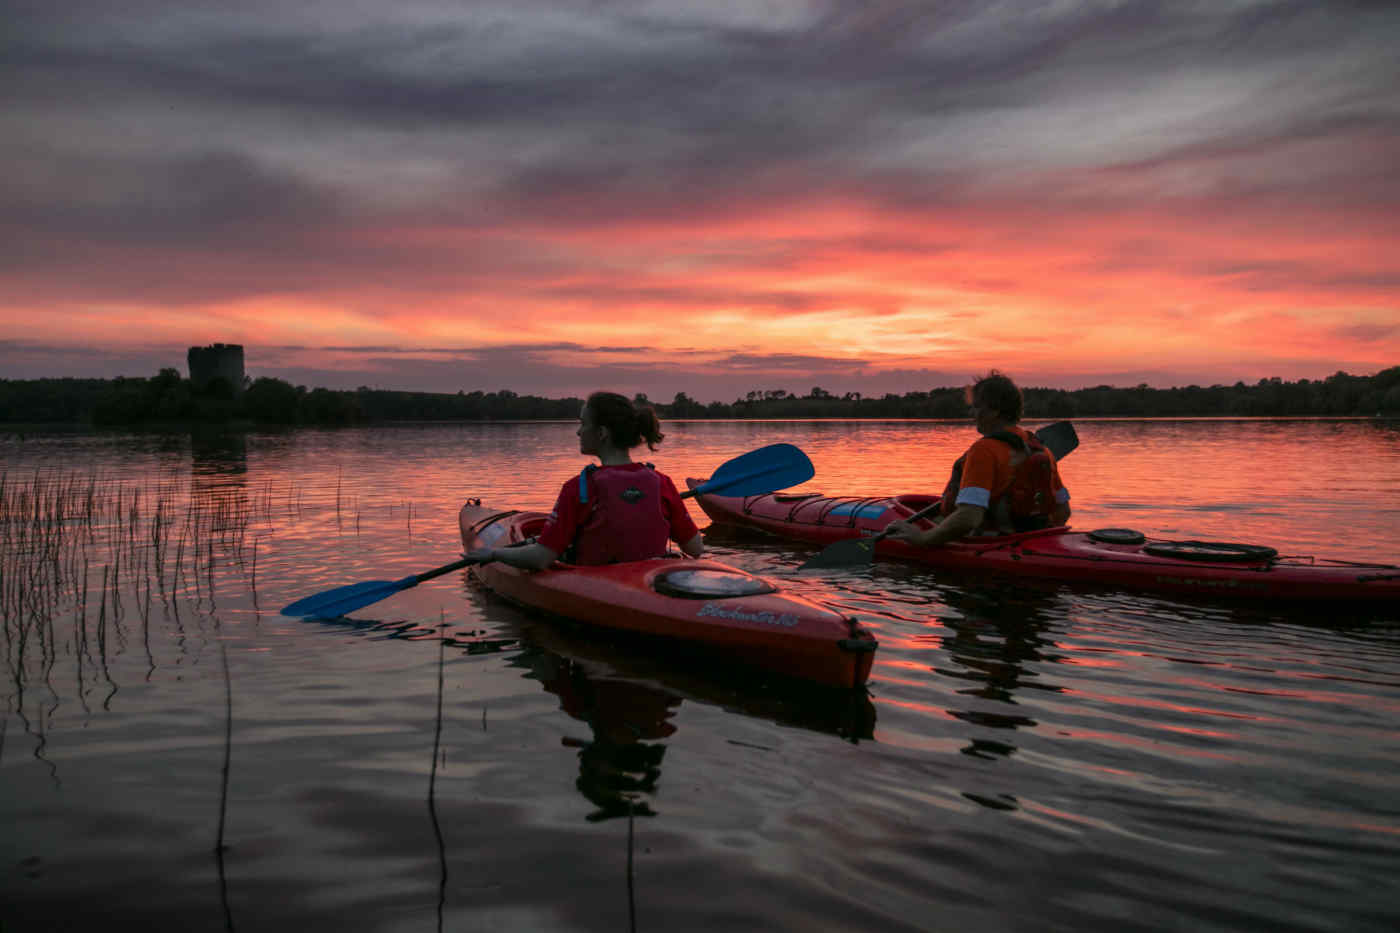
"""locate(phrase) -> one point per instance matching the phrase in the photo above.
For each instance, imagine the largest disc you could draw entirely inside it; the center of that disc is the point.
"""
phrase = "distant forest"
(168, 397)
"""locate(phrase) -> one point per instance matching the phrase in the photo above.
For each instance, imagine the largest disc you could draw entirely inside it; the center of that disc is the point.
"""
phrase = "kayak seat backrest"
(531, 527)
(917, 502)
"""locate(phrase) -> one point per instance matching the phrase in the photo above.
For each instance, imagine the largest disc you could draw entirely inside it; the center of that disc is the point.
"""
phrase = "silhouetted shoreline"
(168, 398)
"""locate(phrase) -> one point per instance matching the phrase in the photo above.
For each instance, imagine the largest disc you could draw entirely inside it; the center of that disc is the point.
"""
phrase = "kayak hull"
(1058, 553)
(775, 631)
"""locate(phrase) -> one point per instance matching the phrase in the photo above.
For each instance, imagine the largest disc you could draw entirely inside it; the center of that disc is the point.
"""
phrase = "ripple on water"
(1027, 757)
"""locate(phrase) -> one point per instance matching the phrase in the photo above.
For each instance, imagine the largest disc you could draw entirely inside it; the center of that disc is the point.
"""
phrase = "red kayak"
(697, 602)
(1115, 556)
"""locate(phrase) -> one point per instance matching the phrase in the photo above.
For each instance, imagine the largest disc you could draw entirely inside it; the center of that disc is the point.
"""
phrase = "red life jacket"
(624, 519)
(1030, 499)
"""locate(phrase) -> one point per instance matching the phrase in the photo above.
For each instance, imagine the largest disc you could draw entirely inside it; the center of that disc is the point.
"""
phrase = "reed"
(57, 527)
(86, 555)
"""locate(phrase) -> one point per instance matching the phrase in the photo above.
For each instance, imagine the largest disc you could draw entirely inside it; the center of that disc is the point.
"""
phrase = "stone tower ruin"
(220, 361)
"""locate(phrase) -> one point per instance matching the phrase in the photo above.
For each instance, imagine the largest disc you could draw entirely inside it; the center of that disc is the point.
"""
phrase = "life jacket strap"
(583, 482)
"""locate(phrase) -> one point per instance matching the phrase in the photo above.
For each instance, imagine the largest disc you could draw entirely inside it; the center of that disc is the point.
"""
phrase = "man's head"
(995, 396)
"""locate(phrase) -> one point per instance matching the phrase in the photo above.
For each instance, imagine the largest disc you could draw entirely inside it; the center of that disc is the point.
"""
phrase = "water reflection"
(218, 452)
(1258, 739)
(998, 636)
(995, 635)
(620, 765)
(219, 846)
(627, 691)
(628, 695)
(432, 783)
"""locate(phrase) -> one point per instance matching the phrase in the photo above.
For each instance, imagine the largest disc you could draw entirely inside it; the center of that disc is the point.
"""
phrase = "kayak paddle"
(767, 469)
(770, 468)
(332, 604)
(1059, 438)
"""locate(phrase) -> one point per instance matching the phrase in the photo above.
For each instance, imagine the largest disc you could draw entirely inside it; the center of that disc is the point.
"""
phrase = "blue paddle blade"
(767, 469)
(332, 604)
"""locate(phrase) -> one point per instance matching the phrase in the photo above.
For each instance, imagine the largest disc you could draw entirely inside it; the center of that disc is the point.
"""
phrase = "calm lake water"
(1026, 757)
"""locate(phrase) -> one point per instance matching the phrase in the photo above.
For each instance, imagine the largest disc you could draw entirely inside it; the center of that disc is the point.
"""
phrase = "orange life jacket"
(624, 519)
(1030, 499)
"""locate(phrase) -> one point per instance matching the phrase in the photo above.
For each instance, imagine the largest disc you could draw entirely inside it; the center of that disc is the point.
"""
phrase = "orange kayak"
(704, 603)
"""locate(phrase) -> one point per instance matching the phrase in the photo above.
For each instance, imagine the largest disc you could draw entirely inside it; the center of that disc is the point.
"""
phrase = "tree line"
(168, 397)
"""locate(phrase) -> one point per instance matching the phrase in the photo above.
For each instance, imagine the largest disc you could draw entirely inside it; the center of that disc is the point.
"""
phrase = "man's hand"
(906, 532)
(964, 520)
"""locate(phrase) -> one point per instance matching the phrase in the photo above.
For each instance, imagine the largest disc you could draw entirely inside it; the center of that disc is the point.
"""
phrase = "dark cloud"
(1294, 276)
(534, 373)
(1367, 332)
(21, 359)
(570, 370)
(691, 296)
(779, 362)
(465, 352)
(622, 110)
(165, 153)
(216, 197)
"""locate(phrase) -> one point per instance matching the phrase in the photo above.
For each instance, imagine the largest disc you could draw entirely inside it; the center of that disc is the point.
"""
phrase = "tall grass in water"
(85, 559)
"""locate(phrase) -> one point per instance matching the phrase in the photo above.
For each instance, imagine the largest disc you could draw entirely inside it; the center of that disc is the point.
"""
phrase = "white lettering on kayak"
(716, 611)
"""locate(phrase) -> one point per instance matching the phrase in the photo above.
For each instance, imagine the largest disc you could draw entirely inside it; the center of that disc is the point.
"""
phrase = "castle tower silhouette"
(219, 361)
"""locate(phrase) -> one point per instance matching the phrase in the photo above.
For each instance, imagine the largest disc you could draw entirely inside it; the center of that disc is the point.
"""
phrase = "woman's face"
(590, 436)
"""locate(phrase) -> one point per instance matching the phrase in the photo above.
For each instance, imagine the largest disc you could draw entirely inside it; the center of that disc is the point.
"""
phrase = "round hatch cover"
(1117, 536)
(711, 584)
(1216, 551)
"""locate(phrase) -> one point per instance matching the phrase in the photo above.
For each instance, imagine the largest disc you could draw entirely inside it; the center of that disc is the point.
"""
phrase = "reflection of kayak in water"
(701, 603)
(549, 648)
(1115, 556)
(629, 699)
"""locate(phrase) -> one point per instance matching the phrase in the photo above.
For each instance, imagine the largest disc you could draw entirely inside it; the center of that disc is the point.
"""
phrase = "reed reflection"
(87, 559)
(432, 779)
(220, 847)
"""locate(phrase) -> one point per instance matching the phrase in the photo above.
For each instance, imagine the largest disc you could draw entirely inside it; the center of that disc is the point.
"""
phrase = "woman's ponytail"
(627, 424)
(649, 427)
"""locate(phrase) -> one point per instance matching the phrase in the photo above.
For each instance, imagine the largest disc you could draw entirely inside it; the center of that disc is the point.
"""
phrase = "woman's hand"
(532, 556)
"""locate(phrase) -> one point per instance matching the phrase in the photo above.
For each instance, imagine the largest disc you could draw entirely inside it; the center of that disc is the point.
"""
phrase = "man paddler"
(1007, 481)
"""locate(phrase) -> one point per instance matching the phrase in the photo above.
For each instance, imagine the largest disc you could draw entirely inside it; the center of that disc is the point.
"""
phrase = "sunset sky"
(701, 196)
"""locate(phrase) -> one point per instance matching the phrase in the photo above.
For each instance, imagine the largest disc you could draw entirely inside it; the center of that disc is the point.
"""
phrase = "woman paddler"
(613, 512)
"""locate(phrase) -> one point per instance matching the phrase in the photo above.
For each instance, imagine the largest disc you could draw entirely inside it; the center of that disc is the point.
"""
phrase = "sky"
(701, 196)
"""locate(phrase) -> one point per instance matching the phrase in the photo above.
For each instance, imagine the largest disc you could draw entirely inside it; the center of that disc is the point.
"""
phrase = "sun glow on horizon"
(791, 290)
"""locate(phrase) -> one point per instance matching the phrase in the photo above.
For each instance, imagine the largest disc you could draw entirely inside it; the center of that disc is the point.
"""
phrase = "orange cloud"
(1056, 291)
